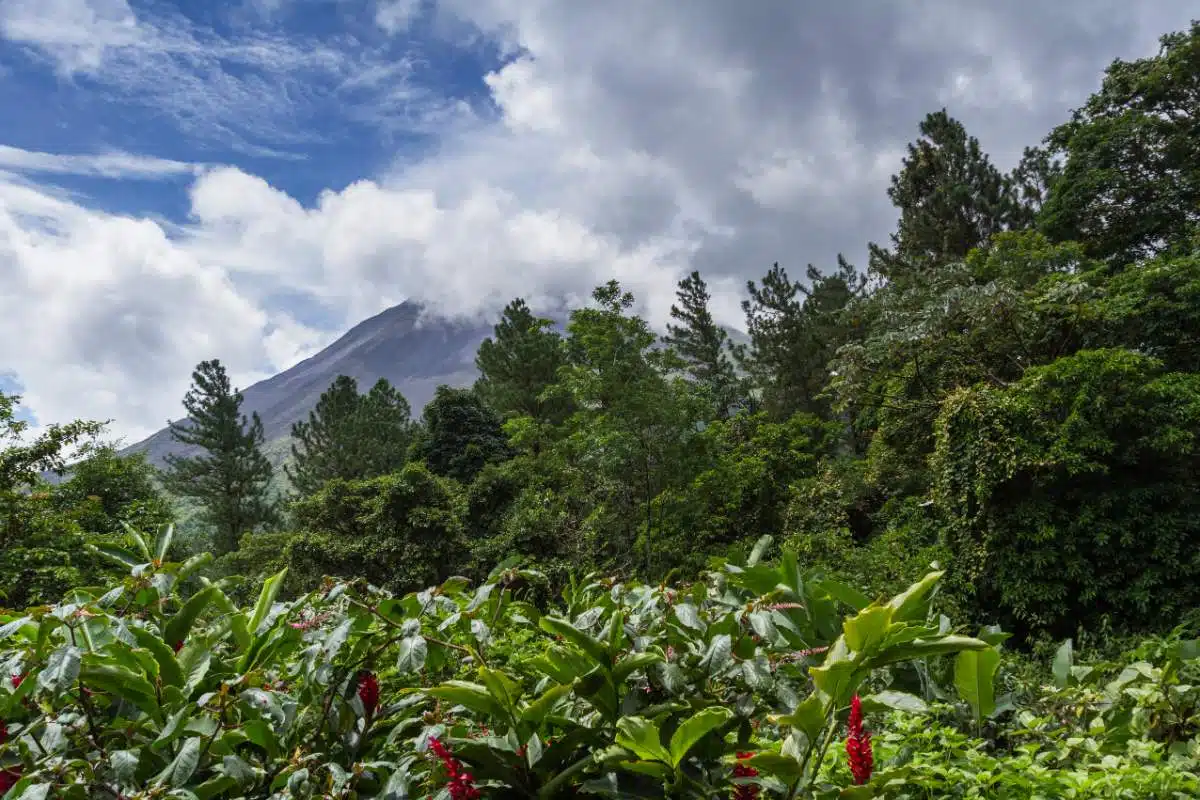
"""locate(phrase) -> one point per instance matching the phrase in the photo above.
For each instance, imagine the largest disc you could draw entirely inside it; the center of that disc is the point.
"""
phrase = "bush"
(1074, 493)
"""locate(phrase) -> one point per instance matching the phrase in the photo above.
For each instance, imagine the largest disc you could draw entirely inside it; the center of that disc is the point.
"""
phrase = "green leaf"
(163, 544)
(776, 764)
(536, 711)
(584, 641)
(180, 625)
(641, 737)
(867, 629)
(845, 593)
(760, 548)
(266, 598)
(942, 645)
(694, 729)
(61, 670)
(913, 602)
(183, 766)
(124, 765)
(974, 677)
(138, 540)
(168, 666)
(809, 717)
(194, 661)
(117, 555)
(688, 616)
(503, 689)
(124, 684)
(897, 701)
(1064, 659)
(412, 653)
(464, 693)
(632, 663)
(718, 654)
(259, 732)
(764, 626)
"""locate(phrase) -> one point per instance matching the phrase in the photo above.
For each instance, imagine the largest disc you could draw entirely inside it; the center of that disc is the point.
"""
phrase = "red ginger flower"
(460, 783)
(368, 692)
(745, 791)
(858, 745)
(8, 779)
(16, 681)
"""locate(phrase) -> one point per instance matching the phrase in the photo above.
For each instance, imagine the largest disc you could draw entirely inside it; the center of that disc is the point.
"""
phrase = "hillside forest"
(932, 531)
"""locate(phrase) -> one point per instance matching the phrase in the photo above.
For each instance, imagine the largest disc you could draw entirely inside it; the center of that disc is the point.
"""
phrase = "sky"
(246, 179)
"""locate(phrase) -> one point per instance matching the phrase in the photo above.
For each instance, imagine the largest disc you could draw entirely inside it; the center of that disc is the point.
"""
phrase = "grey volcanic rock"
(416, 355)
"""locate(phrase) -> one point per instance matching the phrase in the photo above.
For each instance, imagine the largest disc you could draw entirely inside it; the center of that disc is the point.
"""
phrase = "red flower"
(16, 681)
(858, 745)
(8, 779)
(178, 646)
(3, 731)
(460, 783)
(744, 791)
(368, 692)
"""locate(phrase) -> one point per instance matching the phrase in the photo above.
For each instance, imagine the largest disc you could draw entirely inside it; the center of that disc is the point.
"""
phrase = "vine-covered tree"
(703, 345)
(350, 436)
(230, 476)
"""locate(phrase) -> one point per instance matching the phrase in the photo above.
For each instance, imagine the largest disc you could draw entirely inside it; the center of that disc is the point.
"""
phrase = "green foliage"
(951, 200)
(624, 689)
(519, 363)
(107, 491)
(703, 346)
(459, 435)
(1072, 493)
(1130, 187)
(397, 531)
(350, 436)
(230, 475)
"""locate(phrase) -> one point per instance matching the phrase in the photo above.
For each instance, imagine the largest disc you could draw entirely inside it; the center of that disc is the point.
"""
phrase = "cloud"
(102, 165)
(626, 140)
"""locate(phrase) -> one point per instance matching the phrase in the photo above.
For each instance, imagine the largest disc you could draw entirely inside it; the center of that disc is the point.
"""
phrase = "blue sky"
(246, 179)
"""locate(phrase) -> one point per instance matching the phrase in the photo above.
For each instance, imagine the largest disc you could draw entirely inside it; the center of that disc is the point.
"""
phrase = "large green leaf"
(694, 729)
(183, 766)
(925, 648)
(168, 666)
(467, 694)
(124, 684)
(867, 629)
(266, 597)
(584, 641)
(61, 670)
(642, 738)
(411, 654)
(536, 711)
(974, 677)
(632, 663)
(163, 544)
(180, 625)
(1064, 659)
(913, 602)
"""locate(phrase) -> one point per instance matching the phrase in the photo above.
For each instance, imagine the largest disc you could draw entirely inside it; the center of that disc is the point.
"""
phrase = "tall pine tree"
(703, 345)
(230, 478)
(350, 436)
(518, 363)
(951, 200)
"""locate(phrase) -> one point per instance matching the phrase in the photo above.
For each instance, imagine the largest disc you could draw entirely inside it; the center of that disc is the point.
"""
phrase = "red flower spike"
(858, 745)
(16, 681)
(3, 731)
(745, 791)
(178, 646)
(8, 779)
(368, 692)
(460, 783)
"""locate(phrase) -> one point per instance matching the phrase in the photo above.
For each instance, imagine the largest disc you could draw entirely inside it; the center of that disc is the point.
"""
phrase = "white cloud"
(104, 165)
(396, 15)
(634, 141)
(76, 33)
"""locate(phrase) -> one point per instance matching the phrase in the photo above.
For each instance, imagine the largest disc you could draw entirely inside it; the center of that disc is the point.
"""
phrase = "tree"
(22, 461)
(107, 489)
(518, 363)
(1131, 184)
(231, 476)
(350, 436)
(459, 435)
(703, 345)
(951, 200)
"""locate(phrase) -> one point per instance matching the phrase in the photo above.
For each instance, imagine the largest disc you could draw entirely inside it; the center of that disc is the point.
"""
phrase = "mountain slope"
(415, 355)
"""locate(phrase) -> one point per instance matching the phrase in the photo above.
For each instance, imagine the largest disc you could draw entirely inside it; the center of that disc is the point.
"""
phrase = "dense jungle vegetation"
(933, 531)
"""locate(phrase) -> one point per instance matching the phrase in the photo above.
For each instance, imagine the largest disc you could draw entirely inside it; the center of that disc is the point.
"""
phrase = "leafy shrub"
(1073, 493)
(349, 691)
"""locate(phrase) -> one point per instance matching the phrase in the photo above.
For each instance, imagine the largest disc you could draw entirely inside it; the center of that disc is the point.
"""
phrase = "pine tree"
(350, 436)
(230, 479)
(702, 344)
(518, 363)
(951, 200)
